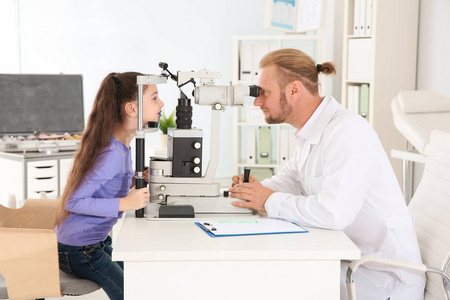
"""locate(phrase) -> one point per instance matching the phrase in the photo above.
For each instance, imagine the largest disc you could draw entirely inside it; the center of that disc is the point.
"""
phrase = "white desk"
(177, 260)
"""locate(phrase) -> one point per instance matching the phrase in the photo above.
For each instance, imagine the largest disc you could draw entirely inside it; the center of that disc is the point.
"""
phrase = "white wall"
(433, 57)
(434, 47)
(94, 38)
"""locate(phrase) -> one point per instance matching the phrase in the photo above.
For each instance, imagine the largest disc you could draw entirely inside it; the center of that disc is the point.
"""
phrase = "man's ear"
(130, 109)
(294, 89)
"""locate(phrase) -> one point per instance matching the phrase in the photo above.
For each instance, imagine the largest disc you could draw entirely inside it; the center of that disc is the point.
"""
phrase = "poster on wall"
(293, 15)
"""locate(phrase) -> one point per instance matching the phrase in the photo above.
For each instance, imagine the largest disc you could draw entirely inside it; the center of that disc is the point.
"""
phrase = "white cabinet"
(42, 177)
(379, 62)
(11, 181)
(30, 174)
(248, 135)
(65, 165)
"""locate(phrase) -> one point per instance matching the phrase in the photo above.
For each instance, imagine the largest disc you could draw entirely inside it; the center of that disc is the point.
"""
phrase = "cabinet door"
(64, 168)
(11, 182)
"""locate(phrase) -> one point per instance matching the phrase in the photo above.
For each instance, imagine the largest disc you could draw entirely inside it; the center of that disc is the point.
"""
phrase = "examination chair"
(416, 114)
(29, 254)
(431, 209)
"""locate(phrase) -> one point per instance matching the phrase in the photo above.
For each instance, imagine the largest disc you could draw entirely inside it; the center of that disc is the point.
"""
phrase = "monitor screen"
(44, 103)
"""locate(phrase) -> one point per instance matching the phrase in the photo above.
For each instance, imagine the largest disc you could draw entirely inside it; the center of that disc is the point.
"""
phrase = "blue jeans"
(94, 262)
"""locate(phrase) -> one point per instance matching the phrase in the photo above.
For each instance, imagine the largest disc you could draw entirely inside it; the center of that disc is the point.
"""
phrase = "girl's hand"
(136, 199)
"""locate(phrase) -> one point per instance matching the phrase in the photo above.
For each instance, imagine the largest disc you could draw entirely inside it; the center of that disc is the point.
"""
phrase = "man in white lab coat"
(339, 178)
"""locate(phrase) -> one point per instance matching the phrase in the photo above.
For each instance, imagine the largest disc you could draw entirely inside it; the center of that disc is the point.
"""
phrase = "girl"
(98, 188)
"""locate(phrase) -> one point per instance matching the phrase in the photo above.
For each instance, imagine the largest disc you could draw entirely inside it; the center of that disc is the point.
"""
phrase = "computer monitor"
(44, 103)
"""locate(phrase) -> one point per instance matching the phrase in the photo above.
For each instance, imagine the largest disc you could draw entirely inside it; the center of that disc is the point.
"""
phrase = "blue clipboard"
(218, 228)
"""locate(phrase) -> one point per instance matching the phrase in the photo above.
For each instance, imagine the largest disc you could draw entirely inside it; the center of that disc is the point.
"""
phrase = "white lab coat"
(340, 178)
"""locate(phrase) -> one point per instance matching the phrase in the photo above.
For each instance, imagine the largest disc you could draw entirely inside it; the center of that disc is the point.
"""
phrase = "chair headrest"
(412, 102)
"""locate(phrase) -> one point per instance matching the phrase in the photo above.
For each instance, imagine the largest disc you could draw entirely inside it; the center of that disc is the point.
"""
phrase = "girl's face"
(152, 105)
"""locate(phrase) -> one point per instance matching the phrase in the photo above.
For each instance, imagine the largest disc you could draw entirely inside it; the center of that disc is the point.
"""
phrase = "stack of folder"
(362, 17)
(358, 99)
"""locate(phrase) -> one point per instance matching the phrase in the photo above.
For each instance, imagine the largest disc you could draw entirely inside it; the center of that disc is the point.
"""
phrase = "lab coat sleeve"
(84, 201)
(286, 180)
(338, 175)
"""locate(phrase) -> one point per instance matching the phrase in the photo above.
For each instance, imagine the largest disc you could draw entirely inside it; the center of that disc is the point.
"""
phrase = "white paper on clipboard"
(216, 228)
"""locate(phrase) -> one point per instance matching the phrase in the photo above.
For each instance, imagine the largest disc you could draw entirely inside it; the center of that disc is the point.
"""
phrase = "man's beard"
(285, 110)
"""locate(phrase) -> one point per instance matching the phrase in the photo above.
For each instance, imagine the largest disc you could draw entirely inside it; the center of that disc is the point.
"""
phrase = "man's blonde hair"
(293, 65)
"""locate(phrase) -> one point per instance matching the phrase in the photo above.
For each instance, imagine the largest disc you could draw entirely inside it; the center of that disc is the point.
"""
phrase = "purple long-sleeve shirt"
(94, 207)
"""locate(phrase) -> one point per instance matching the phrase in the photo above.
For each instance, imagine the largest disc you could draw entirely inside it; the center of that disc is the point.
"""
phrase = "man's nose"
(257, 102)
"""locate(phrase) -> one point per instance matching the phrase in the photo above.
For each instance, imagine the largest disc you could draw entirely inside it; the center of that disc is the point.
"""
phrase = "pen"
(246, 174)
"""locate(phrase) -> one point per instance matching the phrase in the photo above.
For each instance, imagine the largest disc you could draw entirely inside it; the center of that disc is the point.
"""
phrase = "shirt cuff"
(273, 205)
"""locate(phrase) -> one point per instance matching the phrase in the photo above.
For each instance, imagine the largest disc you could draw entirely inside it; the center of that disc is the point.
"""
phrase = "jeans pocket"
(64, 262)
(92, 252)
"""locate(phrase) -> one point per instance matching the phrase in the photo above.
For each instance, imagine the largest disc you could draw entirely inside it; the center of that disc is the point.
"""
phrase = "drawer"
(48, 194)
(44, 184)
(39, 169)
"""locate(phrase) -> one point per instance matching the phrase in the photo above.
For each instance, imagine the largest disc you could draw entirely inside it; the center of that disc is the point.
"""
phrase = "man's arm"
(333, 199)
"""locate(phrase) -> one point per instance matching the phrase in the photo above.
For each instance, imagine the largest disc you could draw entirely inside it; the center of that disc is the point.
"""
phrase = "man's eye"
(265, 93)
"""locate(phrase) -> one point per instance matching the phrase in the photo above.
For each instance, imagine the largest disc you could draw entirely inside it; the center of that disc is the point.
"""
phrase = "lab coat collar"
(312, 131)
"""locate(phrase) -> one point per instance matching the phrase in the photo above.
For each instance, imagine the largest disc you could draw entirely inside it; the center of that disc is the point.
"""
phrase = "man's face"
(272, 99)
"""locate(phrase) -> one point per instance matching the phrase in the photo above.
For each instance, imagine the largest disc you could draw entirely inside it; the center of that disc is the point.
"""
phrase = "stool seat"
(74, 286)
(70, 286)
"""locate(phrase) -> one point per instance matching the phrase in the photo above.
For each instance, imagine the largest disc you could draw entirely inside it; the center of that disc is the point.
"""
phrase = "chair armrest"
(351, 290)
(29, 262)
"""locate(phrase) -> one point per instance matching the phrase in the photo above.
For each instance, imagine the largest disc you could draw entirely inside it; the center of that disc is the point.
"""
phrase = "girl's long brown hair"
(115, 91)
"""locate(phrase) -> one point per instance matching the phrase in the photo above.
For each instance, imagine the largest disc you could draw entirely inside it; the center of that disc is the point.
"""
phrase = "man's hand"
(254, 192)
(145, 173)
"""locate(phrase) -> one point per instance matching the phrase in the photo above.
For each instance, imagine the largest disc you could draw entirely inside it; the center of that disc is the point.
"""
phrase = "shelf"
(273, 165)
(359, 36)
(314, 42)
(392, 58)
(358, 81)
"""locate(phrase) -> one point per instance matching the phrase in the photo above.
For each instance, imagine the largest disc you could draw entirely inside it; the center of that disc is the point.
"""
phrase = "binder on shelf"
(254, 115)
(353, 98)
(292, 143)
(283, 147)
(350, 97)
(273, 47)
(368, 24)
(237, 227)
(364, 101)
(245, 60)
(264, 145)
(356, 96)
(259, 50)
(359, 59)
(356, 17)
(362, 16)
(261, 173)
(251, 146)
